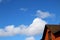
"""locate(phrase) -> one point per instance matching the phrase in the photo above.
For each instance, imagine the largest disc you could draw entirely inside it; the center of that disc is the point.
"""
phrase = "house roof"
(53, 28)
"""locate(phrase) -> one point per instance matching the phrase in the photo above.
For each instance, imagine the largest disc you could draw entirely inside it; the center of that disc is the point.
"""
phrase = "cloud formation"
(30, 38)
(42, 14)
(23, 9)
(35, 28)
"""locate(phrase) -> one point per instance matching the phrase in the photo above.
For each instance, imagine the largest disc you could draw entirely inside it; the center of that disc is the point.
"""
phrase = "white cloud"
(9, 31)
(43, 14)
(30, 38)
(35, 28)
(23, 9)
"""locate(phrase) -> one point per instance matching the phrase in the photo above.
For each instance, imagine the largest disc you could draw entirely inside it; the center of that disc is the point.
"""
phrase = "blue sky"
(24, 12)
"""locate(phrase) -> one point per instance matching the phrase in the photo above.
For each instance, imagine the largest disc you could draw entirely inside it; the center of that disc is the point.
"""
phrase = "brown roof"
(53, 28)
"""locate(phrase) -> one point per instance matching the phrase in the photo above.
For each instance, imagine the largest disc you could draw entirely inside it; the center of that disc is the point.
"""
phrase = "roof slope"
(53, 28)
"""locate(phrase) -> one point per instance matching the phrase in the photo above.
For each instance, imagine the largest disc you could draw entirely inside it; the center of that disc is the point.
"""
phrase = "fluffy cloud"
(30, 38)
(35, 28)
(43, 14)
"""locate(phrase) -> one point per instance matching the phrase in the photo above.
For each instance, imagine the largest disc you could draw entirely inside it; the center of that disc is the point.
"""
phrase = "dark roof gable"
(55, 29)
